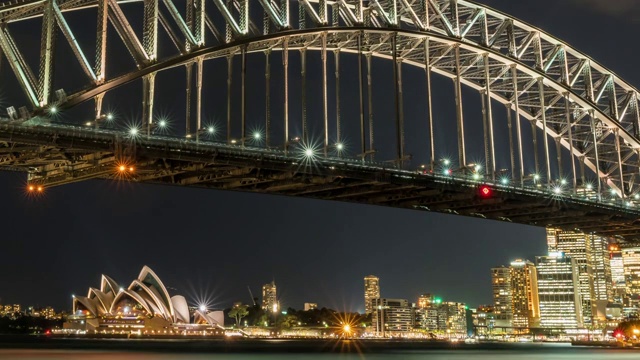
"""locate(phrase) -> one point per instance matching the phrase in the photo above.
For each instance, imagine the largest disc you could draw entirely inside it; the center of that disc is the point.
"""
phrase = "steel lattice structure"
(579, 108)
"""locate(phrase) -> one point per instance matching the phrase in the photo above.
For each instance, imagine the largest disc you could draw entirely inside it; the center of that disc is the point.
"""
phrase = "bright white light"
(109, 116)
(133, 131)
(563, 182)
(162, 123)
(88, 123)
(257, 135)
(478, 167)
(636, 196)
(446, 162)
(211, 130)
(121, 289)
(203, 307)
(557, 190)
(308, 152)
(504, 181)
(476, 176)
(613, 191)
(589, 186)
(446, 172)
(53, 110)
(536, 177)
(339, 146)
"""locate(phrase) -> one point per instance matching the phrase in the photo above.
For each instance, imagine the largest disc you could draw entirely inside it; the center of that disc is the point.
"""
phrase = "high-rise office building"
(631, 262)
(391, 315)
(269, 298)
(617, 273)
(524, 294)
(558, 291)
(371, 291)
(501, 285)
(591, 254)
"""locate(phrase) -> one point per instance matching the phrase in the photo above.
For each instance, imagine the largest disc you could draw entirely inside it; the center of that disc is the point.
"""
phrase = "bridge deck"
(56, 155)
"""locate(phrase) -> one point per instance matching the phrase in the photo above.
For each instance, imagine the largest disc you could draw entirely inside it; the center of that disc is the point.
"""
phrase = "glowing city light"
(162, 123)
(347, 328)
(109, 116)
(636, 196)
(446, 171)
(122, 168)
(257, 135)
(485, 191)
(203, 307)
(613, 192)
(476, 176)
(589, 186)
(478, 167)
(536, 177)
(53, 110)
(133, 131)
(211, 130)
(557, 189)
(339, 146)
(308, 152)
(40, 189)
(563, 182)
(504, 181)
(446, 162)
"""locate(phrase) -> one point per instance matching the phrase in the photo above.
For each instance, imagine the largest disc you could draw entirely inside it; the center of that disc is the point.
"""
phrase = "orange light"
(122, 168)
(131, 168)
(40, 189)
(31, 188)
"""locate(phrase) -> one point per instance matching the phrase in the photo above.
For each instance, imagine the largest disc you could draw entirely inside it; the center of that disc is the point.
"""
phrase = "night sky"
(208, 244)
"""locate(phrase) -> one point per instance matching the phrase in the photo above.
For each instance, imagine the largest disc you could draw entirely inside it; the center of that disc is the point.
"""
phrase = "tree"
(238, 311)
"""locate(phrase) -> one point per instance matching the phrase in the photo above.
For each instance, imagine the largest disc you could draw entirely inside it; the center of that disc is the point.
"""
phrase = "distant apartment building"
(371, 291)
(391, 315)
(501, 285)
(269, 297)
(558, 292)
(524, 295)
(617, 273)
(310, 306)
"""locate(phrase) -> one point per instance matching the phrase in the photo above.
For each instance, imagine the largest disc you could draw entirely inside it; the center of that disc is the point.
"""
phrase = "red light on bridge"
(485, 191)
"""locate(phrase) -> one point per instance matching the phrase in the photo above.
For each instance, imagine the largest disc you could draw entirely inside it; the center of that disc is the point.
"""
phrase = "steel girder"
(577, 103)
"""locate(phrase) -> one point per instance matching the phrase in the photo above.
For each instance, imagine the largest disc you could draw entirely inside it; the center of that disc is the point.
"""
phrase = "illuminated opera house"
(144, 308)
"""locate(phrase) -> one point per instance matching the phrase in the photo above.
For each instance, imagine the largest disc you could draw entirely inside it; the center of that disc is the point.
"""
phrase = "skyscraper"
(501, 284)
(590, 253)
(371, 291)
(617, 273)
(558, 291)
(524, 294)
(269, 297)
(391, 315)
(631, 261)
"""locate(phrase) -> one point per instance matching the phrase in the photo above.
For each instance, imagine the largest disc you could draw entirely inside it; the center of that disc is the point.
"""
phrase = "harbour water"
(275, 349)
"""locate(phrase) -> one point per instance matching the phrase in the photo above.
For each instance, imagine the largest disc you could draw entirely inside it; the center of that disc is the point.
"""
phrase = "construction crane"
(252, 298)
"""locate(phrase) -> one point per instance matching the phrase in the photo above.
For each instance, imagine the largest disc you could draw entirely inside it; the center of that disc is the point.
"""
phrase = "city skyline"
(111, 235)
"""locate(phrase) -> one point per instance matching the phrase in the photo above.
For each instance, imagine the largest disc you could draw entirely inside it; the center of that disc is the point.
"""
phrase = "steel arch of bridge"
(578, 104)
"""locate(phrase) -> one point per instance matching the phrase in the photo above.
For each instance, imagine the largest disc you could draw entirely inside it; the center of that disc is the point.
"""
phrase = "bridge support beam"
(148, 89)
(370, 107)
(199, 74)
(189, 74)
(511, 150)
(427, 70)
(229, 83)
(267, 97)
(243, 96)
(462, 156)
(363, 145)
(596, 154)
(98, 107)
(397, 77)
(303, 91)
(620, 172)
(285, 65)
(516, 105)
(543, 114)
(325, 113)
(492, 154)
(336, 56)
(567, 110)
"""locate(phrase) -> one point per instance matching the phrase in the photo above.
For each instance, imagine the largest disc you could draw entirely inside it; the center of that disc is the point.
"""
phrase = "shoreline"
(273, 346)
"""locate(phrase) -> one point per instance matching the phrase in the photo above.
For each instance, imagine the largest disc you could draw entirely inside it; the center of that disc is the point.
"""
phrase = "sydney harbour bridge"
(329, 99)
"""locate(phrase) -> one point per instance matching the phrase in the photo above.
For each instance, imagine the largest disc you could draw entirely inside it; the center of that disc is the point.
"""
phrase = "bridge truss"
(583, 144)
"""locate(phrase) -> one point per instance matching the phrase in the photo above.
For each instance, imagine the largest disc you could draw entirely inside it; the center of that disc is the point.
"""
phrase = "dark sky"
(212, 243)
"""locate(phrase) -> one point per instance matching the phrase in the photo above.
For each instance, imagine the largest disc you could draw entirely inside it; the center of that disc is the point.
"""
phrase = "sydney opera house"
(144, 308)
